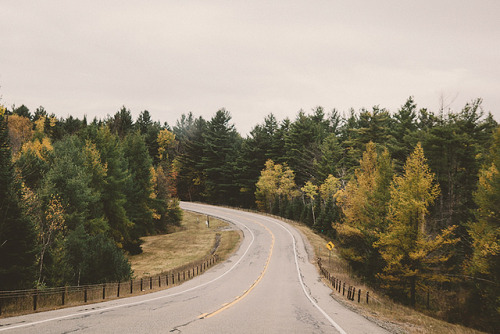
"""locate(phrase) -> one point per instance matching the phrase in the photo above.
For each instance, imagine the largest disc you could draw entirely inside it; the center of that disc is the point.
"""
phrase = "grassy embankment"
(190, 242)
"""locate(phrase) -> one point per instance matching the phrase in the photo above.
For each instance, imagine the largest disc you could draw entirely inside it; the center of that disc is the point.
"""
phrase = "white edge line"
(142, 301)
(337, 326)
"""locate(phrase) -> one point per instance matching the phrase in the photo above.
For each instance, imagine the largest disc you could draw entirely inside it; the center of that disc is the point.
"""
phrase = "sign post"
(330, 246)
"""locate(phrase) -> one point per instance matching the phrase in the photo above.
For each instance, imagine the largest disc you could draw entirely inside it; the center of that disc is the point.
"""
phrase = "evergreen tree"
(17, 238)
(139, 189)
(121, 123)
(191, 176)
(114, 190)
(150, 131)
(302, 142)
(403, 133)
(220, 152)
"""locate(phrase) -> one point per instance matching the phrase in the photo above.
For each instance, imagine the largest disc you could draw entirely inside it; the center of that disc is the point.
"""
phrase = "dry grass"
(190, 242)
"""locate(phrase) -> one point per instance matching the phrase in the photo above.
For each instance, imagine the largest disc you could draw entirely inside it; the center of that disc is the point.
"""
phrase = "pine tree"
(139, 190)
(191, 176)
(17, 237)
(220, 152)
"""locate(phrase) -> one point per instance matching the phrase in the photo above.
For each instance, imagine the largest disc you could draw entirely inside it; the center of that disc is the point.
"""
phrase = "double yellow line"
(254, 284)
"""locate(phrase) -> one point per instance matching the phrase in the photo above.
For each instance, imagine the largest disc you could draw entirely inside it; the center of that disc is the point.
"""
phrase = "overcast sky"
(250, 57)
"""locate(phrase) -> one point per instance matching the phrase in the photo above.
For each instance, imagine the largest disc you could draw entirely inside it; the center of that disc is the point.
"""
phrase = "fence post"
(159, 281)
(35, 297)
(131, 286)
(104, 291)
(63, 296)
(118, 290)
(151, 283)
(141, 284)
(178, 276)
(343, 290)
(353, 293)
(85, 295)
(359, 295)
(367, 294)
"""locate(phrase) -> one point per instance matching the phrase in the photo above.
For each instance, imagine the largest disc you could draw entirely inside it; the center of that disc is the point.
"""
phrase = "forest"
(411, 197)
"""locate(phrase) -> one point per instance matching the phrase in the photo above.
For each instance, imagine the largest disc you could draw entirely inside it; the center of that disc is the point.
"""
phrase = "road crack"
(177, 329)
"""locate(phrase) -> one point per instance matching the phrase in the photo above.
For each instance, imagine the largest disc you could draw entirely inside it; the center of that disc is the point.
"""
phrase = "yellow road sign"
(330, 245)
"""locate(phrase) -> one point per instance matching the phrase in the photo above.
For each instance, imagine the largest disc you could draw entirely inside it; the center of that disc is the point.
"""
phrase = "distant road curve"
(267, 286)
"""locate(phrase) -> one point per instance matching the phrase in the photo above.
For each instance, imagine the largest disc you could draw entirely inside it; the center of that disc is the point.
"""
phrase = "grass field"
(190, 242)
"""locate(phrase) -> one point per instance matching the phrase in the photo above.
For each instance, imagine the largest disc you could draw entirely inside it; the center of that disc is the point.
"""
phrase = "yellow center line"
(257, 281)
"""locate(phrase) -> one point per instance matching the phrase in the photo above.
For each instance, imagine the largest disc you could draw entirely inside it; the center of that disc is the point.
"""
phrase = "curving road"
(267, 286)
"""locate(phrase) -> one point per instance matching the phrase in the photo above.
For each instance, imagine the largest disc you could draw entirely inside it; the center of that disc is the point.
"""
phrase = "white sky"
(250, 57)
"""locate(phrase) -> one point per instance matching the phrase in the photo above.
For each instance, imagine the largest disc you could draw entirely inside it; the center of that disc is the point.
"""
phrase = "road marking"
(139, 302)
(334, 324)
(257, 281)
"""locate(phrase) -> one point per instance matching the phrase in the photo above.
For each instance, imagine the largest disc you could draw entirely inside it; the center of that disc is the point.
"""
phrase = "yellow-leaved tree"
(484, 262)
(310, 190)
(413, 257)
(275, 183)
(364, 205)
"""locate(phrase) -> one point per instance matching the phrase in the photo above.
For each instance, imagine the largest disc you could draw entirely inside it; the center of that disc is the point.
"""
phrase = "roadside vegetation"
(409, 196)
(381, 309)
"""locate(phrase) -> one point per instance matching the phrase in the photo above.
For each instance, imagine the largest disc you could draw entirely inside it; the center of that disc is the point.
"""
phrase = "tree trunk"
(412, 290)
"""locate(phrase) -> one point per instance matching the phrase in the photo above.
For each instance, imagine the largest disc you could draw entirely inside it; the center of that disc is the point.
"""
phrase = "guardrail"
(340, 287)
(33, 300)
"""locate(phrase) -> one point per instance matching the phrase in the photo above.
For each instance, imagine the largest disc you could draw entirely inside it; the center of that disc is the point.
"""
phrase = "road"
(267, 286)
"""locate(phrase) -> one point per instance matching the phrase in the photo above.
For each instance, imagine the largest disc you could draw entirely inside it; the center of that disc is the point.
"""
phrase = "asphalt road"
(267, 286)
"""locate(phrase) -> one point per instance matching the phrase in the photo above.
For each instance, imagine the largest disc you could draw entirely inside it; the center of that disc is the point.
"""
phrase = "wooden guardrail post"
(359, 295)
(85, 295)
(35, 300)
(367, 294)
(104, 291)
(151, 283)
(141, 284)
(118, 290)
(63, 296)
(131, 286)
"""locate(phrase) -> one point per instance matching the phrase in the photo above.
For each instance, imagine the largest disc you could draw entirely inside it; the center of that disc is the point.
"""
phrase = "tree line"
(75, 197)
(411, 197)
